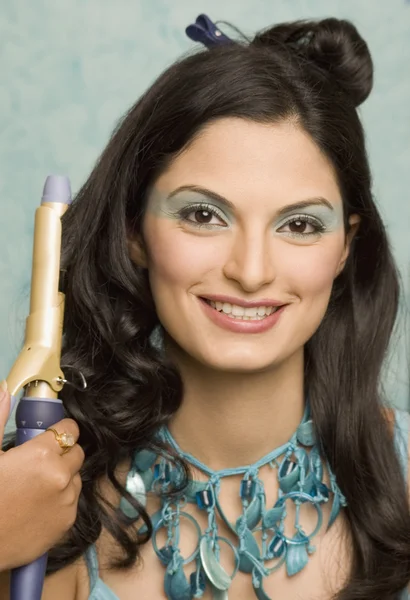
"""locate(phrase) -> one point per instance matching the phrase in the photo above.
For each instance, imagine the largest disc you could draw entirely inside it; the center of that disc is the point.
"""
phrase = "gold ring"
(65, 440)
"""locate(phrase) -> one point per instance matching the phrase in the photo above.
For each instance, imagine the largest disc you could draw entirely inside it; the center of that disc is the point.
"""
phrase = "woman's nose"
(250, 261)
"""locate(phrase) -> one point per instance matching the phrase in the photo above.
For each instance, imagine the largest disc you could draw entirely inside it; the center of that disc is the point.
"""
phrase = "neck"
(228, 420)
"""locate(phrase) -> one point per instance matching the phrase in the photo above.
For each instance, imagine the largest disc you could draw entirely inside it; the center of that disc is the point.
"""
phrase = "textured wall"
(70, 68)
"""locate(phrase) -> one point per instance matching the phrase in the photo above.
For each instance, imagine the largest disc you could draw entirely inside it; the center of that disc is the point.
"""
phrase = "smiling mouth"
(257, 313)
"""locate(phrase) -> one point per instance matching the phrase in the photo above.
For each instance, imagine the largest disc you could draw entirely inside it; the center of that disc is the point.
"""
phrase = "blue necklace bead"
(144, 459)
(296, 558)
(162, 472)
(288, 475)
(205, 499)
(197, 582)
(305, 433)
(176, 585)
(193, 488)
(253, 512)
(250, 553)
(287, 467)
(277, 547)
(165, 554)
(247, 489)
(272, 516)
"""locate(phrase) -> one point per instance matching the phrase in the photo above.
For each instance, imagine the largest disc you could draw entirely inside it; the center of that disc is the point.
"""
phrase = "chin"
(242, 362)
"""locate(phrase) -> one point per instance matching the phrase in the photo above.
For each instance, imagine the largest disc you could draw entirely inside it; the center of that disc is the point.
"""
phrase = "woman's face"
(249, 213)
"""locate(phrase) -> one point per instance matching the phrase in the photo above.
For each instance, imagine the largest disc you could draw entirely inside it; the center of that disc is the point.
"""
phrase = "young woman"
(230, 298)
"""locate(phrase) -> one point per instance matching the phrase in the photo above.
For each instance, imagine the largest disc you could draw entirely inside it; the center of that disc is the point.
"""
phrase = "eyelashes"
(201, 207)
(208, 211)
(298, 220)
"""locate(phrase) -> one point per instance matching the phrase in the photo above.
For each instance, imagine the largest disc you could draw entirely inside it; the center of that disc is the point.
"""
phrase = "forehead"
(237, 157)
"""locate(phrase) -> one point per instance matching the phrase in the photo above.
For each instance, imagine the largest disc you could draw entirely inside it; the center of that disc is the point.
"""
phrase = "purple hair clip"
(206, 32)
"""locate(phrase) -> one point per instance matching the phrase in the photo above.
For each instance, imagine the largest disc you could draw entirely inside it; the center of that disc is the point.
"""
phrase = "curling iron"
(37, 368)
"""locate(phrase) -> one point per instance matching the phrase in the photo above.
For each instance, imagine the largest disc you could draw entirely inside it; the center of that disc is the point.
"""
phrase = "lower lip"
(238, 325)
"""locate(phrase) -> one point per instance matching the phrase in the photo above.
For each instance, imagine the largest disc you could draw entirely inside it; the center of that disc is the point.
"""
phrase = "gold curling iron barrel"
(37, 368)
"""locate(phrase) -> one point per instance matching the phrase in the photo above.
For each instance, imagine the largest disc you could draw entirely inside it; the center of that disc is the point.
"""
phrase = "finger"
(67, 426)
(74, 459)
(4, 408)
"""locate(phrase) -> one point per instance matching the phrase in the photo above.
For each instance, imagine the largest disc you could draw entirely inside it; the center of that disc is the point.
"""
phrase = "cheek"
(310, 272)
(315, 274)
(310, 275)
(176, 259)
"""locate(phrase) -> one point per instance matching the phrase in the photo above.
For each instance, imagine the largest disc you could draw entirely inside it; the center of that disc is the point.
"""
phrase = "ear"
(354, 223)
(137, 252)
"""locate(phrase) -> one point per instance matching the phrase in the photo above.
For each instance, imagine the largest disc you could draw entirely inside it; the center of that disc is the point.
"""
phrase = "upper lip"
(241, 302)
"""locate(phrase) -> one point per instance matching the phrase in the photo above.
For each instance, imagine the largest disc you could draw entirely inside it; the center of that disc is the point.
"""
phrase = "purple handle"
(27, 581)
(33, 416)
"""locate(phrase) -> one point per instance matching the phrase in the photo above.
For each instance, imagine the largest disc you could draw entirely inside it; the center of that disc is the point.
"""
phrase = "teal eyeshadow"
(330, 219)
(166, 207)
(163, 206)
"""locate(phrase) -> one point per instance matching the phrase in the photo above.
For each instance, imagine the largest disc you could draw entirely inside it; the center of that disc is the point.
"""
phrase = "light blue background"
(70, 68)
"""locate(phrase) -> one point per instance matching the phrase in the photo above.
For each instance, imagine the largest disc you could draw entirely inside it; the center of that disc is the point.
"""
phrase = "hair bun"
(334, 45)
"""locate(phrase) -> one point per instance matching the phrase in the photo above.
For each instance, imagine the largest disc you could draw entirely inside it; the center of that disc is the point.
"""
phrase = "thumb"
(4, 408)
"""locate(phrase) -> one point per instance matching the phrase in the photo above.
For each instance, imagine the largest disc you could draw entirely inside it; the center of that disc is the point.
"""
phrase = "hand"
(39, 491)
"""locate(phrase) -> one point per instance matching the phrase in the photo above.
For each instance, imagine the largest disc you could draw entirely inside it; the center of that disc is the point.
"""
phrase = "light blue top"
(100, 591)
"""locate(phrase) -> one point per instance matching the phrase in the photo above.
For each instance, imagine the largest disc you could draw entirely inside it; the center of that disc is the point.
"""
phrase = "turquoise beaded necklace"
(300, 478)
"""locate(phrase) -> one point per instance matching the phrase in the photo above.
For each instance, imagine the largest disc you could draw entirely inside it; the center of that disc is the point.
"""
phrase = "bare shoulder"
(70, 583)
(62, 584)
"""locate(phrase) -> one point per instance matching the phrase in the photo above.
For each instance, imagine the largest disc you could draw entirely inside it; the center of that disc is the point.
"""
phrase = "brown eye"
(298, 226)
(203, 216)
(302, 227)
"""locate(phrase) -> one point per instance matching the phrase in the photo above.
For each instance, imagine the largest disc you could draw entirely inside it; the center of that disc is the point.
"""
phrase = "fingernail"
(3, 387)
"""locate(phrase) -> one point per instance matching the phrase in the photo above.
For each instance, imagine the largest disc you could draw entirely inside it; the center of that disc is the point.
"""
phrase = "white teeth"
(239, 312)
(227, 308)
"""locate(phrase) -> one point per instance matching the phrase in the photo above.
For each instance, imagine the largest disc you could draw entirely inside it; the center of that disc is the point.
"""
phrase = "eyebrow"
(317, 201)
